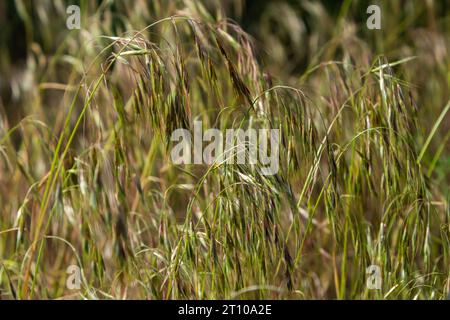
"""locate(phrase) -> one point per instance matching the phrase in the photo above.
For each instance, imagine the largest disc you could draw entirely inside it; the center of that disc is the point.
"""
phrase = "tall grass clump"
(86, 177)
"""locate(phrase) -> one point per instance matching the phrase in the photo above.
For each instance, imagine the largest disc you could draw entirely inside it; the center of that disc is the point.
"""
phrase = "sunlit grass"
(86, 177)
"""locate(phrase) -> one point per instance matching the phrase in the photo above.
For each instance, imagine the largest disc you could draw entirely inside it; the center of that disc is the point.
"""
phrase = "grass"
(86, 177)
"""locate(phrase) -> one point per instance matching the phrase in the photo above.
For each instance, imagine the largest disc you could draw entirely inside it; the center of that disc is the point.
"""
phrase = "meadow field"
(94, 205)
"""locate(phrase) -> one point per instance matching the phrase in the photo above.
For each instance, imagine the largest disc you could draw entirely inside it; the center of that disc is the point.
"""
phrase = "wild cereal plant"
(94, 205)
